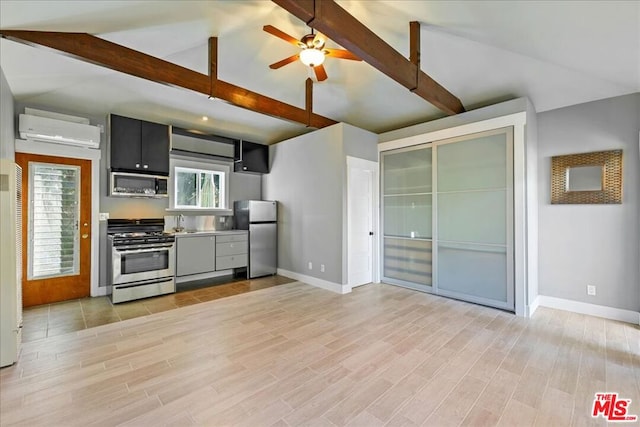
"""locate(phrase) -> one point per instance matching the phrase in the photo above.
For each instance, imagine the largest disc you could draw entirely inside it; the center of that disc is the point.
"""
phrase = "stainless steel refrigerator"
(260, 218)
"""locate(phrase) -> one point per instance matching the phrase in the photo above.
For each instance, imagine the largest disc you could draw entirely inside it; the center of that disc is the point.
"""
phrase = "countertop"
(208, 232)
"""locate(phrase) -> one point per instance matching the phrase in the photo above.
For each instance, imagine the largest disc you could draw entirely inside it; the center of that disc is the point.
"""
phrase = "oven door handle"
(137, 250)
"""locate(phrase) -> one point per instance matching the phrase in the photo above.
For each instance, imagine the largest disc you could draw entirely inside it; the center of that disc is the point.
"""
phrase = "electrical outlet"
(310, 266)
(321, 268)
(104, 216)
(591, 290)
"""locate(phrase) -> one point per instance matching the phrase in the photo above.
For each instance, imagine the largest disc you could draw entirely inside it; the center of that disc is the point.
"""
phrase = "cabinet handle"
(146, 166)
(137, 165)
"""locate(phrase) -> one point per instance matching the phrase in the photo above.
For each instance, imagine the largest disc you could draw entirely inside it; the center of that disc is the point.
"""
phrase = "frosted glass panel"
(478, 216)
(408, 216)
(407, 172)
(473, 164)
(475, 270)
(472, 219)
(408, 260)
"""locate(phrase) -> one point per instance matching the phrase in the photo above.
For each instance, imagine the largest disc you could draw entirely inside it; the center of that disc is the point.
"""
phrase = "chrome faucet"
(179, 223)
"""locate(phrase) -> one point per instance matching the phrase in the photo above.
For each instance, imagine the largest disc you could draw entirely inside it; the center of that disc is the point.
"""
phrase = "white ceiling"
(558, 53)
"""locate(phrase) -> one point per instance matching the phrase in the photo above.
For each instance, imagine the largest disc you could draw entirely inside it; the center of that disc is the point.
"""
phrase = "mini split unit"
(45, 126)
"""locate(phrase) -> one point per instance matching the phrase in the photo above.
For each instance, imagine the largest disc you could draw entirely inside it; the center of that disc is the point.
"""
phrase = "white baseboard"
(100, 292)
(533, 307)
(612, 313)
(314, 281)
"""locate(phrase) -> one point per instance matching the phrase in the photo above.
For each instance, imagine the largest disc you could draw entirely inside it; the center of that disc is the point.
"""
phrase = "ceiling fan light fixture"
(312, 57)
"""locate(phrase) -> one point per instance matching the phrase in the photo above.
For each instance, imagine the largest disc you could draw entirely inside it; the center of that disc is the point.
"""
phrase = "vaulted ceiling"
(556, 53)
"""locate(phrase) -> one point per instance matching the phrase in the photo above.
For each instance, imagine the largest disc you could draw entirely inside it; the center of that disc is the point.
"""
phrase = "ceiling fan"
(313, 51)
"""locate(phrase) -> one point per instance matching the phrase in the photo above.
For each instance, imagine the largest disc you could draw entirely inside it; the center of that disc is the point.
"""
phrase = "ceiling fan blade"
(284, 62)
(321, 73)
(319, 41)
(281, 34)
(342, 54)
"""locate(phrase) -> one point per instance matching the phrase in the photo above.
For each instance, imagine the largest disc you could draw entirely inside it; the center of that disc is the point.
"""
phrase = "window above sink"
(198, 186)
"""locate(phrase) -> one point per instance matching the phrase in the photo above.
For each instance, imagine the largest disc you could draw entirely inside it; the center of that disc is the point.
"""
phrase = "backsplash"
(199, 222)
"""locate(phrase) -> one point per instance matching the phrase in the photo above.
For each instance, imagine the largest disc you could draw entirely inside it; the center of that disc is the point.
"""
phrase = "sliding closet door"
(407, 213)
(474, 204)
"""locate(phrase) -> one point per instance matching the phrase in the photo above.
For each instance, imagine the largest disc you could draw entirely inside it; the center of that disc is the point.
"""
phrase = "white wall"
(7, 122)
(599, 245)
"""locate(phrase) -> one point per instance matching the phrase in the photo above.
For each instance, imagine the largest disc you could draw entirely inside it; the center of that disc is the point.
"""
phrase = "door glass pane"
(474, 270)
(474, 164)
(407, 172)
(408, 212)
(54, 196)
(475, 216)
(408, 260)
(408, 216)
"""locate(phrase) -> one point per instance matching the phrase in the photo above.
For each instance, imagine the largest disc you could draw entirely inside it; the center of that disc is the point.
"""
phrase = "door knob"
(85, 235)
(371, 233)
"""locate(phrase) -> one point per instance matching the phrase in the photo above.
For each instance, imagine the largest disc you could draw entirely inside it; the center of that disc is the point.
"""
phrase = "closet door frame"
(509, 216)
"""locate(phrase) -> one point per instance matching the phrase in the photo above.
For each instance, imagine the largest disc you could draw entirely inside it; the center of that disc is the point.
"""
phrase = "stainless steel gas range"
(141, 260)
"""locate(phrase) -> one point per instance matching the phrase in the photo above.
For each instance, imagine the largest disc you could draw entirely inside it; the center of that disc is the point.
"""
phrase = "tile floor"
(69, 316)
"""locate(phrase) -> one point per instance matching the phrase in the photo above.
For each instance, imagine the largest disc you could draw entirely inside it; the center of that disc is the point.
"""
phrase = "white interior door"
(361, 177)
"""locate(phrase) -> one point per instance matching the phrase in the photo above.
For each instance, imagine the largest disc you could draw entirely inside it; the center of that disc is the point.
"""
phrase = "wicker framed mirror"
(587, 178)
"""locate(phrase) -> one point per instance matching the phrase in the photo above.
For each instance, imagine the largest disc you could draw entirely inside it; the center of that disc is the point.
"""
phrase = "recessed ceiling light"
(205, 118)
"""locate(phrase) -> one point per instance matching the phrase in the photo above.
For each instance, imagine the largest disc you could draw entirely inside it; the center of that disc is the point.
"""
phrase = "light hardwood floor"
(49, 320)
(297, 355)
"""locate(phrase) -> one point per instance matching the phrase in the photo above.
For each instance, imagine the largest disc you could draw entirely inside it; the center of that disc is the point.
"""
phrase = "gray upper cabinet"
(138, 146)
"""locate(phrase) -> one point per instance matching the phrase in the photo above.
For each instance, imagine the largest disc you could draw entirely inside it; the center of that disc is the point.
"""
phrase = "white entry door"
(361, 178)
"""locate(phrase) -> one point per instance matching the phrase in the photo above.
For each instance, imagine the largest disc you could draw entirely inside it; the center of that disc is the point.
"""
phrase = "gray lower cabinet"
(231, 251)
(210, 253)
(195, 255)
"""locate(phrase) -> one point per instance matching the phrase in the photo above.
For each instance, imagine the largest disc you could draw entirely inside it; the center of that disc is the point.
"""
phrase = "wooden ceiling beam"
(213, 65)
(414, 43)
(95, 50)
(336, 23)
(308, 98)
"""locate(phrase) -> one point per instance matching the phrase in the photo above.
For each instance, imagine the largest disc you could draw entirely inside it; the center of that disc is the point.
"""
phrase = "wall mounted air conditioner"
(45, 126)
